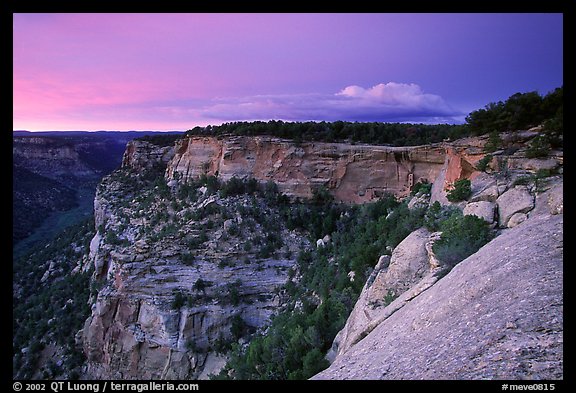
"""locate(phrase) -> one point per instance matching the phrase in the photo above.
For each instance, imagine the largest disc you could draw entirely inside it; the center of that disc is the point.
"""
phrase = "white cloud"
(384, 102)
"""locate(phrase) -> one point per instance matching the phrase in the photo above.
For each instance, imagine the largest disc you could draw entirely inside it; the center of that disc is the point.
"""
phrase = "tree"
(461, 191)
(178, 301)
(200, 285)
(238, 326)
(461, 237)
(494, 142)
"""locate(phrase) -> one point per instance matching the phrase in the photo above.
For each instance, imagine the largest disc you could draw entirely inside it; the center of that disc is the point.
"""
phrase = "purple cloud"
(384, 102)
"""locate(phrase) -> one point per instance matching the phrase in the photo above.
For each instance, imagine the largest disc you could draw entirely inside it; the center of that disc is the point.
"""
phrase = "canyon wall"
(135, 331)
(352, 173)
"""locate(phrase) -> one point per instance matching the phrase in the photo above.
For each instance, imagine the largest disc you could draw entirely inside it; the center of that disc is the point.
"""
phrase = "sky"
(171, 72)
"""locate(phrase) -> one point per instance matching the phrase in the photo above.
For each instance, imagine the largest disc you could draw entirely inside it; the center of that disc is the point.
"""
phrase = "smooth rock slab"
(497, 315)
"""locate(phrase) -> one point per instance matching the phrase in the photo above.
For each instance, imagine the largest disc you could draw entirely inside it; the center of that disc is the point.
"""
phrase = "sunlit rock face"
(352, 173)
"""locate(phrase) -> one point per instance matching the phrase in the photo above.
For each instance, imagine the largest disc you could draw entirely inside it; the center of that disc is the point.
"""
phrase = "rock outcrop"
(482, 209)
(143, 155)
(396, 280)
(353, 173)
(515, 200)
(178, 290)
(497, 315)
(141, 329)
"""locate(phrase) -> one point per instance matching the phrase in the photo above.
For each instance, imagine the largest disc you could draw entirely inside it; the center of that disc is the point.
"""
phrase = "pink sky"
(176, 71)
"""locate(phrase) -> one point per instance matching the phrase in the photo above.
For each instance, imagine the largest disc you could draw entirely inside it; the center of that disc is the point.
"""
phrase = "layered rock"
(135, 332)
(142, 155)
(353, 173)
(52, 158)
(138, 328)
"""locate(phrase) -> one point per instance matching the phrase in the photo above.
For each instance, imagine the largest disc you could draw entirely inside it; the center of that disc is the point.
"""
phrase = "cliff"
(353, 173)
(145, 155)
(185, 272)
(53, 158)
(179, 280)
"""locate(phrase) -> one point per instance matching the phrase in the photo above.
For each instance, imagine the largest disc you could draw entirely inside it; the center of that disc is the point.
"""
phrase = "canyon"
(135, 330)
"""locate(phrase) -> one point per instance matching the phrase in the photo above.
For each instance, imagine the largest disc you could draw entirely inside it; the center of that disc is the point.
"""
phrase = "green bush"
(238, 327)
(422, 187)
(187, 259)
(494, 142)
(461, 191)
(178, 301)
(461, 237)
(200, 285)
(539, 147)
(482, 165)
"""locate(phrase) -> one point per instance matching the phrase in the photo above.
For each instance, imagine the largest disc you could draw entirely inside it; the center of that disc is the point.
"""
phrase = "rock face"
(353, 173)
(460, 160)
(169, 300)
(481, 209)
(134, 333)
(395, 280)
(486, 319)
(141, 155)
(51, 158)
(497, 315)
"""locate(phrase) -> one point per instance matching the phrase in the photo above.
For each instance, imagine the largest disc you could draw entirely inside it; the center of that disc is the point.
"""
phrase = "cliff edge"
(497, 315)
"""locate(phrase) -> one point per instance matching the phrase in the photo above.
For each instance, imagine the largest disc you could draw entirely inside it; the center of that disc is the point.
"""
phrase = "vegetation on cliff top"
(519, 111)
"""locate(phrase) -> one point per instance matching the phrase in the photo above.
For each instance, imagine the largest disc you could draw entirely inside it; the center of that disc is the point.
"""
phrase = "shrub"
(461, 237)
(494, 142)
(321, 196)
(522, 181)
(423, 187)
(187, 259)
(482, 165)
(200, 285)
(179, 301)
(539, 147)
(461, 191)
(238, 326)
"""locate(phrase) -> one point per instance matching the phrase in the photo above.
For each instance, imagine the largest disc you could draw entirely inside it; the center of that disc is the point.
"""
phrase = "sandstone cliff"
(53, 158)
(353, 173)
(179, 281)
(145, 155)
(157, 238)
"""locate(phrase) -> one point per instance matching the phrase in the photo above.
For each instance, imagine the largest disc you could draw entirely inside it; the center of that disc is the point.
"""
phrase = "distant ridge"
(101, 132)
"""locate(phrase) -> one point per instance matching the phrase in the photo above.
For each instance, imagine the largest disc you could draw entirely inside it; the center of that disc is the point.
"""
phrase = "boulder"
(481, 209)
(515, 200)
(484, 188)
(516, 219)
(552, 200)
(394, 274)
(228, 224)
(418, 202)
